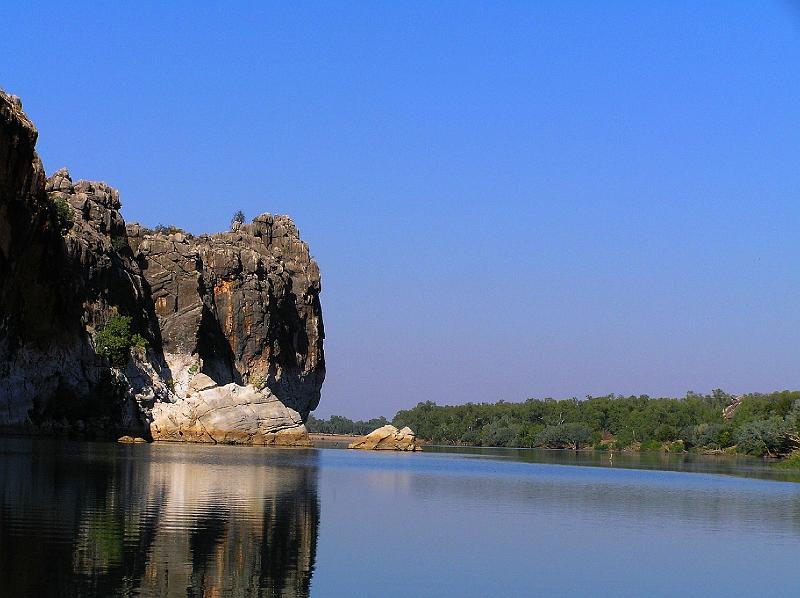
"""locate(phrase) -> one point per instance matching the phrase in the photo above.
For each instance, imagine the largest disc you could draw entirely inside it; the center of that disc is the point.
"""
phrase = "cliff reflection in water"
(157, 520)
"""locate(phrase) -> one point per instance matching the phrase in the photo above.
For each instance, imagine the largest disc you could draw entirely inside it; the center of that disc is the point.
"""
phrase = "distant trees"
(764, 437)
(763, 424)
(338, 424)
(564, 436)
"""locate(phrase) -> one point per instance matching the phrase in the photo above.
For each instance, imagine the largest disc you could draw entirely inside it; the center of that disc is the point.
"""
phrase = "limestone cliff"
(240, 307)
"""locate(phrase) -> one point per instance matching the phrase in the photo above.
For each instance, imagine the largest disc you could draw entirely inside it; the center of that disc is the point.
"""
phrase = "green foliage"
(258, 382)
(650, 446)
(676, 447)
(624, 438)
(763, 437)
(760, 408)
(665, 432)
(793, 418)
(500, 432)
(139, 345)
(194, 369)
(692, 422)
(791, 462)
(338, 424)
(115, 341)
(767, 424)
(708, 435)
(571, 435)
(65, 217)
(168, 229)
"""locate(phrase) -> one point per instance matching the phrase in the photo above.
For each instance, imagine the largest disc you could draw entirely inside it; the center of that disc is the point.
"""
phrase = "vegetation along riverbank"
(754, 424)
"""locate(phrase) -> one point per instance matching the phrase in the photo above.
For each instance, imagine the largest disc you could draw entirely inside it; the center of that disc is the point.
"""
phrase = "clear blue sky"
(505, 199)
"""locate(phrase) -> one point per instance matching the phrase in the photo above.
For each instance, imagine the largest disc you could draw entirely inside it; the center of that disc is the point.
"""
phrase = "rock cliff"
(240, 308)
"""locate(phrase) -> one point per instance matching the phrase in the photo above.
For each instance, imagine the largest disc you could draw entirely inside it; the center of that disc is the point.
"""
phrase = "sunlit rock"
(388, 438)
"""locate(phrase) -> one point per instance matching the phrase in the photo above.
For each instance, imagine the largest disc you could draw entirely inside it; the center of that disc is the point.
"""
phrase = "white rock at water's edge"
(388, 438)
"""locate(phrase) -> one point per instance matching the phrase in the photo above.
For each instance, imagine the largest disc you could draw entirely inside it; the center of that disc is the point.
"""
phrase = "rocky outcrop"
(730, 410)
(388, 438)
(241, 307)
(65, 268)
(229, 414)
(244, 302)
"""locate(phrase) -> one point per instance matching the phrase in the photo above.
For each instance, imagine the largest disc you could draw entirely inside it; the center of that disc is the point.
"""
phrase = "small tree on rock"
(115, 341)
(65, 218)
(238, 218)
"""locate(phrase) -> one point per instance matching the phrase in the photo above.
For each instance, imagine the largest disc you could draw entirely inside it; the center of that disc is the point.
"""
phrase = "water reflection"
(156, 520)
(736, 465)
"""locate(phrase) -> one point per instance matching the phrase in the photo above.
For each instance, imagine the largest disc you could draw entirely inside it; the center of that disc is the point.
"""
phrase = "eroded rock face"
(233, 308)
(388, 438)
(56, 287)
(229, 414)
(245, 302)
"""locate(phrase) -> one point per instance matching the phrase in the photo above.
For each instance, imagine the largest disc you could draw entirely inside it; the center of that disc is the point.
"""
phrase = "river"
(81, 518)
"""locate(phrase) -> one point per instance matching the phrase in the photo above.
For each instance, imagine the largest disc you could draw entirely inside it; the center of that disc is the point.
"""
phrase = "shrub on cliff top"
(115, 340)
(238, 218)
(168, 229)
(65, 218)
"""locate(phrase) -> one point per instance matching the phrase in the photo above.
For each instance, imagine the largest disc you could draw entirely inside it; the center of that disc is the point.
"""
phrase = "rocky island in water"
(110, 329)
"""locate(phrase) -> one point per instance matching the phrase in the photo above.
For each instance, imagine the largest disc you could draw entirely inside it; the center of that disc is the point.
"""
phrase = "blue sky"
(506, 200)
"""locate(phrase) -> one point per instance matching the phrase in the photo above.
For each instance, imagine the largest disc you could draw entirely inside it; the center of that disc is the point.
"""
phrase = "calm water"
(193, 520)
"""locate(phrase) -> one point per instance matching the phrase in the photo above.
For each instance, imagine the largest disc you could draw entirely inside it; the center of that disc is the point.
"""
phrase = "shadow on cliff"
(214, 350)
(65, 268)
(290, 378)
(80, 293)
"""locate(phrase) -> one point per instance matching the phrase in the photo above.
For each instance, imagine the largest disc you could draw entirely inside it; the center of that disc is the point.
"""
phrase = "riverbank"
(332, 440)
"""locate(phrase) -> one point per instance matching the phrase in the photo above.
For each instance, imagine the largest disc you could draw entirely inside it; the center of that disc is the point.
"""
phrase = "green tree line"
(761, 424)
(338, 424)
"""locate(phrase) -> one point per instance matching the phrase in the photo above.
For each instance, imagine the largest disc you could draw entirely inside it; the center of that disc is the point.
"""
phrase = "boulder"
(229, 414)
(131, 440)
(200, 382)
(388, 438)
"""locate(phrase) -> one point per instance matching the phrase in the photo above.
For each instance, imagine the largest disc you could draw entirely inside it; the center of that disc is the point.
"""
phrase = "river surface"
(81, 519)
